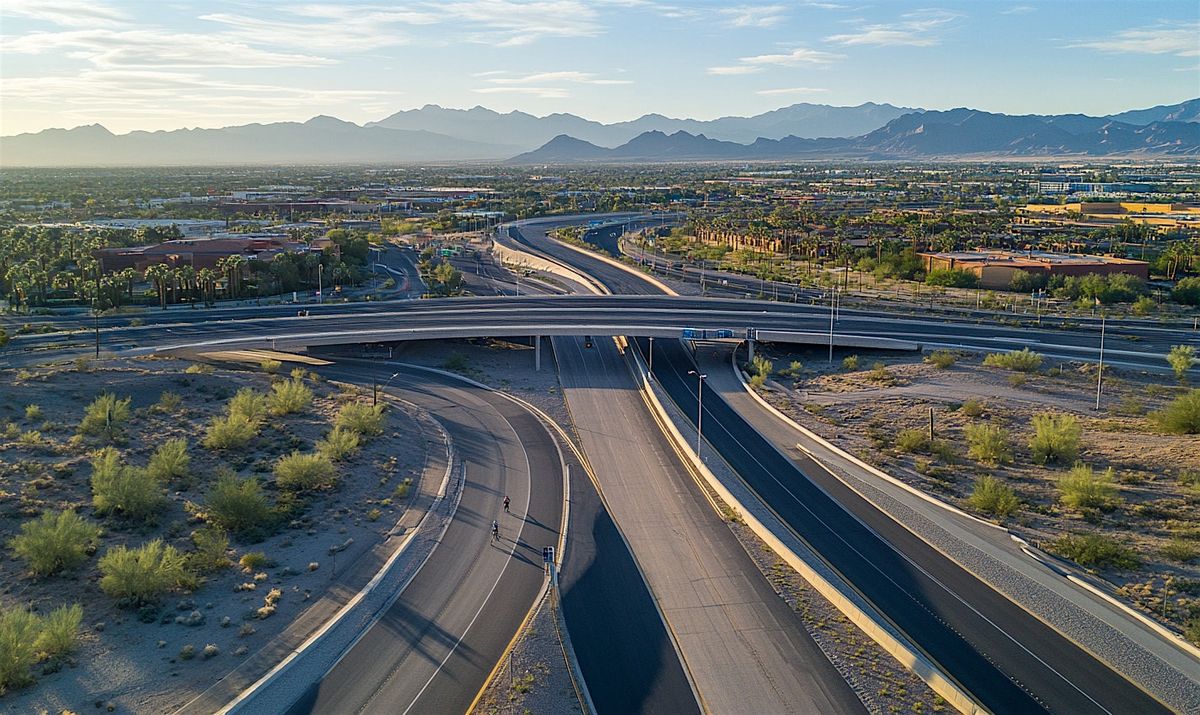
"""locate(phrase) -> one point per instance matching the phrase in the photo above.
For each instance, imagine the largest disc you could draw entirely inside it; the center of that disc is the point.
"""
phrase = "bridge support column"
(750, 348)
(537, 353)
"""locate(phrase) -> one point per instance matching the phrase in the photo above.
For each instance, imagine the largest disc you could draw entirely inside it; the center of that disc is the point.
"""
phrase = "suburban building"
(206, 252)
(995, 268)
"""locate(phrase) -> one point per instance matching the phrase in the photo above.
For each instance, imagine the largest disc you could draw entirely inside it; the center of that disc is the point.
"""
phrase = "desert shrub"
(212, 545)
(762, 366)
(850, 363)
(170, 461)
(252, 561)
(211, 650)
(249, 404)
(973, 407)
(1084, 488)
(231, 432)
(18, 634)
(238, 505)
(301, 472)
(199, 369)
(338, 444)
(1191, 629)
(270, 366)
(269, 603)
(360, 417)
(758, 381)
(1181, 358)
(1023, 360)
(1055, 438)
(1187, 292)
(794, 369)
(1181, 415)
(187, 652)
(987, 443)
(168, 402)
(56, 541)
(879, 373)
(141, 575)
(298, 373)
(58, 631)
(912, 440)
(402, 489)
(288, 396)
(994, 497)
(120, 488)
(1181, 550)
(33, 412)
(941, 359)
(105, 416)
(1095, 550)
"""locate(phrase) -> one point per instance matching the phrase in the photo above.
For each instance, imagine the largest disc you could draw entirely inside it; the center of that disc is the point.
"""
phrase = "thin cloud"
(917, 29)
(1174, 40)
(1018, 10)
(754, 15)
(791, 90)
(561, 76)
(113, 49)
(332, 28)
(67, 13)
(801, 56)
(540, 92)
(508, 24)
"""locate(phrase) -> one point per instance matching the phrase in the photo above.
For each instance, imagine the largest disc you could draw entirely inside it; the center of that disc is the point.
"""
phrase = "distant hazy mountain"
(952, 134)
(525, 130)
(1188, 111)
(320, 140)
(433, 134)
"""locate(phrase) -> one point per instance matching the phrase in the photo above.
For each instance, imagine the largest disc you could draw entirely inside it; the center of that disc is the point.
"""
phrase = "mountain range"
(953, 134)
(800, 131)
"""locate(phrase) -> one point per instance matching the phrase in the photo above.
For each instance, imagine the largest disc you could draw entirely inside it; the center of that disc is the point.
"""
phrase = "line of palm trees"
(173, 283)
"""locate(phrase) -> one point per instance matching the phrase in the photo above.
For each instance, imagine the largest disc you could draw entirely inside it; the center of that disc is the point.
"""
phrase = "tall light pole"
(375, 388)
(830, 327)
(699, 409)
(1100, 371)
(320, 275)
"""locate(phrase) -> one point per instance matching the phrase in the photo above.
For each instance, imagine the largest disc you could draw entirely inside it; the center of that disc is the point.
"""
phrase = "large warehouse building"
(995, 269)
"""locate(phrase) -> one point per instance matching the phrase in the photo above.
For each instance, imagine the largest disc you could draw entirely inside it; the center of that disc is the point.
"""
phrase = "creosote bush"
(143, 574)
(238, 505)
(119, 488)
(230, 432)
(248, 403)
(27, 638)
(1181, 415)
(941, 359)
(212, 547)
(1023, 360)
(366, 420)
(973, 407)
(1095, 550)
(912, 440)
(288, 396)
(252, 561)
(1181, 358)
(1055, 438)
(56, 541)
(994, 497)
(168, 402)
(987, 443)
(270, 366)
(170, 461)
(303, 472)
(33, 412)
(1084, 488)
(339, 444)
(850, 363)
(105, 416)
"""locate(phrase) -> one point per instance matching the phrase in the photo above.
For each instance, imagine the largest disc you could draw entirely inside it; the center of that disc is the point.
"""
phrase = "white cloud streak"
(791, 90)
(917, 29)
(1177, 40)
(754, 15)
(67, 13)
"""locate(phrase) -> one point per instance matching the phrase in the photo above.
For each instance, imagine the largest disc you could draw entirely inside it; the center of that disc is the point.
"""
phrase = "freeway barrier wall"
(509, 255)
(806, 562)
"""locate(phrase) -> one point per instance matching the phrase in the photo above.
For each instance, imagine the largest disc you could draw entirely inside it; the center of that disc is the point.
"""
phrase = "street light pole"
(1100, 371)
(375, 388)
(651, 368)
(699, 410)
(831, 327)
(320, 282)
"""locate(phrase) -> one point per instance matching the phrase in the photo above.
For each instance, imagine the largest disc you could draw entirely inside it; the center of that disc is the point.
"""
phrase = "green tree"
(1181, 358)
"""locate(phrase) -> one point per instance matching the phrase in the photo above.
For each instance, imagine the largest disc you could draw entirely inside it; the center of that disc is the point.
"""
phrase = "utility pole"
(651, 368)
(699, 409)
(96, 325)
(1100, 371)
(320, 283)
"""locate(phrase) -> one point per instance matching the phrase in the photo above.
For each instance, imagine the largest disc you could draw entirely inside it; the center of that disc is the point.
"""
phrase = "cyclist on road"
(495, 530)
(506, 502)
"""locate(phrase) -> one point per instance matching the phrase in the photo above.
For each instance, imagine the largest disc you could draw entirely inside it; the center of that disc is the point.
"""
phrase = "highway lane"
(623, 648)
(999, 652)
(745, 649)
(434, 647)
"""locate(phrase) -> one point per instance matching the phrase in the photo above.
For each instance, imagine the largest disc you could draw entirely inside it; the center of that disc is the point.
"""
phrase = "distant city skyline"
(139, 65)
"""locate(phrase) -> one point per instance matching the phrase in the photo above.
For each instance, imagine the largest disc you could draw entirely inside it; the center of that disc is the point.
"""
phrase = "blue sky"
(164, 65)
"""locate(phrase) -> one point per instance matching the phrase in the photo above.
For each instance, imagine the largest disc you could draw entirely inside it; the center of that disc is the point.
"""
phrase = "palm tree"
(186, 275)
(232, 266)
(208, 282)
(160, 273)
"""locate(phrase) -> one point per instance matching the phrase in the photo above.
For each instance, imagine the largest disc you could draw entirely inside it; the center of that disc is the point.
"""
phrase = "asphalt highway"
(434, 647)
(999, 652)
(1002, 654)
